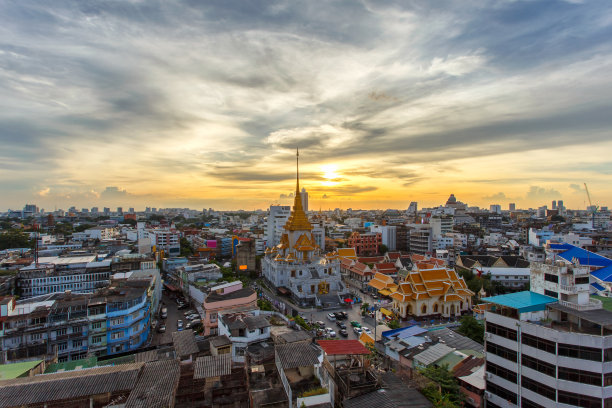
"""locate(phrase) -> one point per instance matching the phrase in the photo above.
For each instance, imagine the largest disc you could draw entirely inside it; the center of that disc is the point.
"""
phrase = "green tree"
(264, 304)
(130, 221)
(186, 248)
(393, 324)
(449, 388)
(83, 227)
(433, 394)
(15, 239)
(471, 328)
(383, 249)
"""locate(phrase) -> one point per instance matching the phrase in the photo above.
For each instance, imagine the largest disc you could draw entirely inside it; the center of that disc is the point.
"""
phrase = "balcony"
(569, 289)
(593, 304)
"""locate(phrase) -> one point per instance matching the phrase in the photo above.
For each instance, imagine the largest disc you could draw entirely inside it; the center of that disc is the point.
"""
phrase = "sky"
(202, 103)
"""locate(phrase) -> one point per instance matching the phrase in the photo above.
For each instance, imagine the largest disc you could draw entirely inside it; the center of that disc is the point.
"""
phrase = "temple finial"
(297, 167)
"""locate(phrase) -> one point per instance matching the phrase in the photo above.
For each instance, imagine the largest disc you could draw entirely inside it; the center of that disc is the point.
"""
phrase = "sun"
(330, 175)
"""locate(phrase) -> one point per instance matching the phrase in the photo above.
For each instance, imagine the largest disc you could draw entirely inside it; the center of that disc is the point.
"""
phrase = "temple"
(296, 266)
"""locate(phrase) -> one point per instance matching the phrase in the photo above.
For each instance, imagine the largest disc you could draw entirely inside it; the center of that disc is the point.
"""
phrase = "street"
(173, 316)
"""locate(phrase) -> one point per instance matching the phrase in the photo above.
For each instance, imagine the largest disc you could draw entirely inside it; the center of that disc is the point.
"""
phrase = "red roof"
(342, 347)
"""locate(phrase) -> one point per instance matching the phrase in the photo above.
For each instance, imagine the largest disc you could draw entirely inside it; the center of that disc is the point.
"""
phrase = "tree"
(186, 248)
(383, 249)
(471, 328)
(393, 324)
(449, 388)
(15, 239)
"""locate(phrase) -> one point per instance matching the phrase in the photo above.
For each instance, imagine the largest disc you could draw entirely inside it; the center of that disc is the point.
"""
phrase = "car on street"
(320, 324)
(179, 325)
(331, 317)
(161, 328)
(344, 333)
(154, 324)
(188, 326)
(344, 315)
(192, 316)
(357, 330)
(188, 312)
(355, 323)
(366, 330)
(182, 306)
(330, 332)
(341, 325)
(338, 316)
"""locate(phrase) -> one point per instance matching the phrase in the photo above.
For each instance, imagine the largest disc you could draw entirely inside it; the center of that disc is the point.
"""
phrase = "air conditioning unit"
(487, 335)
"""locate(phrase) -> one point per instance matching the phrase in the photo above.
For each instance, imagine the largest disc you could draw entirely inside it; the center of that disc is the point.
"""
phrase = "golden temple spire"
(297, 170)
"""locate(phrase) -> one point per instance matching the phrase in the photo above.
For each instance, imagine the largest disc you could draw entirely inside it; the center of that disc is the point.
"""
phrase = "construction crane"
(592, 208)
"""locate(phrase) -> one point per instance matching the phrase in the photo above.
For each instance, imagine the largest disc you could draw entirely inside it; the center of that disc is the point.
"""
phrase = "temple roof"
(298, 221)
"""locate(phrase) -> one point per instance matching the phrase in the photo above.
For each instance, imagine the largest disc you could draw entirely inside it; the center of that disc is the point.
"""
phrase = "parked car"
(341, 325)
(183, 306)
(320, 324)
(192, 316)
(161, 328)
(188, 326)
(179, 325)
(344, 333)
(338, 316)
(357, 330)
(188, 312)
(331, 317)
(153, 324)
(330, 332)
(344, 315)
(366, 330)
(355, 323)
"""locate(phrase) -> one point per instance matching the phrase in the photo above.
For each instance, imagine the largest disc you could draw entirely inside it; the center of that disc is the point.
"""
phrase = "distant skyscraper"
(277, 218)
(94, 210)
(412, 208)
(131, 210)
(304, 199)
(119, 210)
(495, 208)
(512, 207)
(554, 205)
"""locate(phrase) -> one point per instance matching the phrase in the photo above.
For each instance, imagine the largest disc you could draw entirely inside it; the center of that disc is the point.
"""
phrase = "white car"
(357, 330)
(331, 317)
(330, 332)
(366, 330)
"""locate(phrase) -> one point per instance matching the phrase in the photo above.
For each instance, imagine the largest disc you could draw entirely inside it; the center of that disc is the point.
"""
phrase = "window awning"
(386, 312)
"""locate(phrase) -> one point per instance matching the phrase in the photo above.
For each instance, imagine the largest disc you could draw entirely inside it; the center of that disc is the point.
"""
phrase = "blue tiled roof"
(584, 257)
(603, 274)
(404, 332)
(525, 301)
(597, 286)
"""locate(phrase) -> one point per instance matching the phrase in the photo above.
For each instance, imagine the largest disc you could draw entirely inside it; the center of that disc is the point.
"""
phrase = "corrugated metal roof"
(342, 347)
(68, 385)
(156, 386)
(292, 355)
(184, 343)
(525, 301)
(213, 366)
(433, 354)
(405, 332)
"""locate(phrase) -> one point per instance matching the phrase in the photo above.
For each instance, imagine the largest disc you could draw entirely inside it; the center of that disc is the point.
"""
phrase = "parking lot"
(174, 314)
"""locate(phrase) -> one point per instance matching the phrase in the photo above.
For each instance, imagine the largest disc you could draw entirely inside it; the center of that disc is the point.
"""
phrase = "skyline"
(180, 104)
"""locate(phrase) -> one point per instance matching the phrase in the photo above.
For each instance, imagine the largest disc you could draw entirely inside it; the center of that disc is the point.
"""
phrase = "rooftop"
(184, 343)
(14, 370)
(237, 294)
(292, 355)
(213, 366)
(156, 386)
(342, 347)
(525, 301)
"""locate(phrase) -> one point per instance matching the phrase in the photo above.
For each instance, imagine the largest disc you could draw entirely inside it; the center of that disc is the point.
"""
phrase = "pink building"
(227, 298)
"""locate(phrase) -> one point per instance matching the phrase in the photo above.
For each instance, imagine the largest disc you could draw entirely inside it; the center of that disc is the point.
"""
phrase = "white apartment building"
(166, 239)
(549, 351)
(389, 235)
(279, 214)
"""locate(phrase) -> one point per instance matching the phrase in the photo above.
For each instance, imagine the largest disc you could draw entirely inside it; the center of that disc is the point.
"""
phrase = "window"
(551, 293)
(501, 372)
(525, 403)
(62, 346)
(96, 325)
(533, 341)
(501, 392)
(36, 336)
(581, 376)
(501, 331)
(77, 343)
(240, 351)
(580, 352)
(539, 388)
(61, 332)
(117, 335)
(551, 278)
(539, 365)
(501, 351)
(579, 400)
(97, 339)
(77, 329)
(117, 321)
(582, 280)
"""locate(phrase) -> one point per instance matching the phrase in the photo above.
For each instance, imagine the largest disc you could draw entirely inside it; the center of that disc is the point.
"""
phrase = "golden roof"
(298, 221)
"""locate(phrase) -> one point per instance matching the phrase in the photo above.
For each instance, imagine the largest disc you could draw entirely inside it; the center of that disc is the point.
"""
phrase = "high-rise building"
(94, 210)
(304, 195)
(412, 208)
(277, 218)
(554, 204)
(495, 208)
(512, 207)
(551, 346)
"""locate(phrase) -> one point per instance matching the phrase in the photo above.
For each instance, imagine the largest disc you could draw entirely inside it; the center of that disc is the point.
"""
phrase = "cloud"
(536, 193)
(497, 196)
(576, 188)
(44, 192)
(112, 192)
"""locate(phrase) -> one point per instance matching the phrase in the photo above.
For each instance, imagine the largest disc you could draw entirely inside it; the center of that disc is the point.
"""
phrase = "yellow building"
(425, 292)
